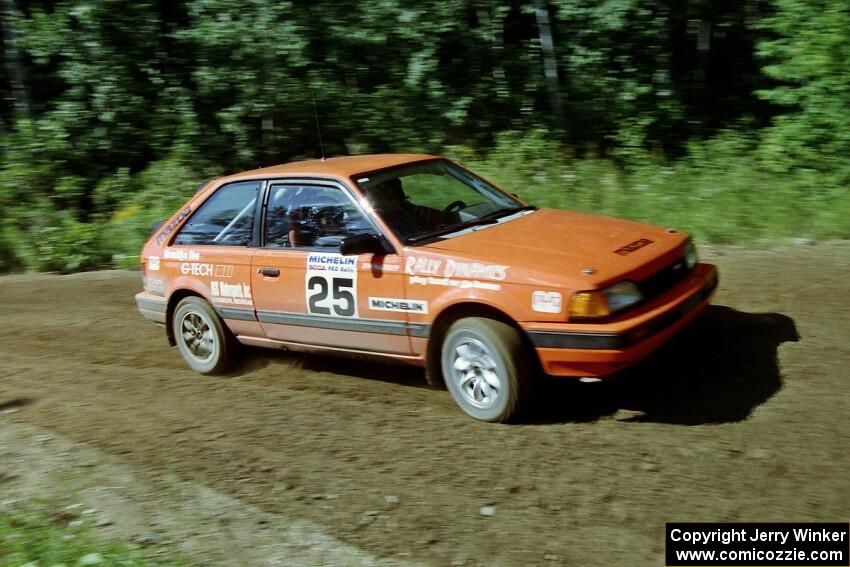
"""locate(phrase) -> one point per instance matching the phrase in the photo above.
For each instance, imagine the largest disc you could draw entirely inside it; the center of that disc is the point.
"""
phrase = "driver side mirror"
(362, 244)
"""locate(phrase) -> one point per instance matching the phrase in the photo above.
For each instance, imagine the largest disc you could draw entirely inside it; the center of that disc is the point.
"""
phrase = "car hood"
(564, 248)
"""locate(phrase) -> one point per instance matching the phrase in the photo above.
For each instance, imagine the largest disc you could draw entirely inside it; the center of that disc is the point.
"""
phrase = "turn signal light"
(589, 304)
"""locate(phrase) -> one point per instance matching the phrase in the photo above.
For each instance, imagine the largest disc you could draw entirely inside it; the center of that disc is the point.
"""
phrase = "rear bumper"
(151, 306)
(600, 350)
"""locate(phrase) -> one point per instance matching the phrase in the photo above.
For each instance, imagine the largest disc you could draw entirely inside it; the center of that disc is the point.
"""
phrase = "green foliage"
(726, 118)
(720, 191)
(155, 194)
(808, 55)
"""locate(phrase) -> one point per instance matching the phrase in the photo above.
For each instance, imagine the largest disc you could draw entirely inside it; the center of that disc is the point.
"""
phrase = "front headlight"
(691, 256)
(622, 295)
(595, 304)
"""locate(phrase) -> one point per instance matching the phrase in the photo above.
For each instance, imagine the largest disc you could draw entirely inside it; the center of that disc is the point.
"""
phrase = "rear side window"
(225, 219)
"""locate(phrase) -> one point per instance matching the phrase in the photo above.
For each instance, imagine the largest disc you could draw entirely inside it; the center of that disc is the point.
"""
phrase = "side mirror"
(362, 244)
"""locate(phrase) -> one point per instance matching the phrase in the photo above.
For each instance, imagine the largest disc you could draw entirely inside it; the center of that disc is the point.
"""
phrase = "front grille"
(664, 279)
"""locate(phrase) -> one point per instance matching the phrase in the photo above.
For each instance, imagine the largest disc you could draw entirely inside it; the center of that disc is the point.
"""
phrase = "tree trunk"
(550, 66)
(12, 59)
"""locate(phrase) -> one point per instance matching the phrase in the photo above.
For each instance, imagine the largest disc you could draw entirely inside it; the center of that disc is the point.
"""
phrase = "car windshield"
(431, 199)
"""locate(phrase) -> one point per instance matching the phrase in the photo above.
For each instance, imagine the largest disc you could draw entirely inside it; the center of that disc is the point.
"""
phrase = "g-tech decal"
(398, 305)
(631, 247)
(547, 301)
(234, 294)
(169, 228)
(331, 284)
(153, 263)
(196, 269)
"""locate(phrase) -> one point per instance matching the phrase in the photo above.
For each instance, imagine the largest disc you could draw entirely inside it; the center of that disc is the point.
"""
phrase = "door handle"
(269, 272)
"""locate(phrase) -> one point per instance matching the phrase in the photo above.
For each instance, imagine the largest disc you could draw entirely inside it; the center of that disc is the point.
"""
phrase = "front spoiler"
(600, 353)
(618, 341)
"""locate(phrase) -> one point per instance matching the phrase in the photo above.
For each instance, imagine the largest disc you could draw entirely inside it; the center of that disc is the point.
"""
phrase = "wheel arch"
(176, 297)
(452, 313)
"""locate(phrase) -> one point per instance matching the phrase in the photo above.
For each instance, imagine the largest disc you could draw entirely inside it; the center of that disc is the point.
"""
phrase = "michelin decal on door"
(331, 284)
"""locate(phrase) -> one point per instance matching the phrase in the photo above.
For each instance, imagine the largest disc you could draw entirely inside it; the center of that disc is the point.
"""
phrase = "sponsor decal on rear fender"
(235, 294)
(181, 254)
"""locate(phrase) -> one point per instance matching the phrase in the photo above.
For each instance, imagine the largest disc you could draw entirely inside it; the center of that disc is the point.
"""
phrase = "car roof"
(345, 166)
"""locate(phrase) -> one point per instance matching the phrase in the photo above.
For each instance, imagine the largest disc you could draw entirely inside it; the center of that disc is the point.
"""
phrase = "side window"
(310, 216)
(225, 219)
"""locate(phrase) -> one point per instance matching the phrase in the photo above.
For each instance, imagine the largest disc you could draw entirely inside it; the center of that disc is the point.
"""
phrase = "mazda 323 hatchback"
(416, 259)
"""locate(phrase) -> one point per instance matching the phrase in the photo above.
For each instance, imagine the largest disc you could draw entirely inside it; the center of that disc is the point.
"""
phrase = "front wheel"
(203, 341)
(487, 368)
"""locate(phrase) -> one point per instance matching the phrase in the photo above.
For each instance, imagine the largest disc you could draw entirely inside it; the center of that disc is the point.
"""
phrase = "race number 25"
(331, 295)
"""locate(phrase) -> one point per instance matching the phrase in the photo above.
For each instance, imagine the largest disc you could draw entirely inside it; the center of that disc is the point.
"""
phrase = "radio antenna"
(318, 129)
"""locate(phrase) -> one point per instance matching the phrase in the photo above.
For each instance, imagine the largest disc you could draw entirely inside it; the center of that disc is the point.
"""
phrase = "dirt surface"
(741, 418)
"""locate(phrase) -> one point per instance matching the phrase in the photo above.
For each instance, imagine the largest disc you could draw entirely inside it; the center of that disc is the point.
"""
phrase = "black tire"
(434, 369)
(198, 328)
(487, 368)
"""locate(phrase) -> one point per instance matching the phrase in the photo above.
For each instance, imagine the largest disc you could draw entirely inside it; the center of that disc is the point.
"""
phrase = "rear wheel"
(205, 344)
(487, 368)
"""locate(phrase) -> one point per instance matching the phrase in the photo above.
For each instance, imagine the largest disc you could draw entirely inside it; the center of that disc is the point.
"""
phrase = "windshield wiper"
(448, 229)
(508, 210)
(490, 218)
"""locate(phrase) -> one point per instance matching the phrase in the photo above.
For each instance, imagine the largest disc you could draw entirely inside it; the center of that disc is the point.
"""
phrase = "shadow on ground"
(716, 371)
(15, 403)
(356, 366)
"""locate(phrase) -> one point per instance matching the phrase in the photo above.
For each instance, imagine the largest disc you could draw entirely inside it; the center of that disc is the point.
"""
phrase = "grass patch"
(721, 192)
(35, 536)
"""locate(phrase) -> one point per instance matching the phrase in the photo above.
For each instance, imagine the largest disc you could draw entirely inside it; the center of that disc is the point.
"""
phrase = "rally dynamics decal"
(430, 271)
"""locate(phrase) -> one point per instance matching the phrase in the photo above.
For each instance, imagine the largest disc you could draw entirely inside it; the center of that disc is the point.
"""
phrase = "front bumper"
(602, 349)
(152, 306)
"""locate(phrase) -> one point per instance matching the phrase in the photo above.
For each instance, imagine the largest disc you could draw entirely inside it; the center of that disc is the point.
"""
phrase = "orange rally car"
(416, 259)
